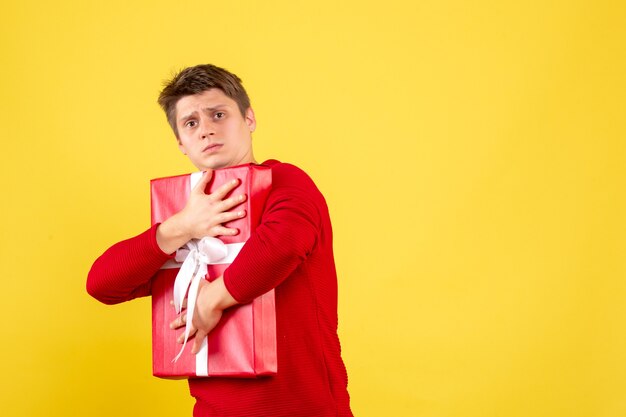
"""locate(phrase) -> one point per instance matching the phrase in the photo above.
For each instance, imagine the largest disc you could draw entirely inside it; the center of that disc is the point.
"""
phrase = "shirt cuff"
(155, 246)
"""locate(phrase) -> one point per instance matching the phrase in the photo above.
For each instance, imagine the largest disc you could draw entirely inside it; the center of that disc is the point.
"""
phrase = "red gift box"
(243, 344)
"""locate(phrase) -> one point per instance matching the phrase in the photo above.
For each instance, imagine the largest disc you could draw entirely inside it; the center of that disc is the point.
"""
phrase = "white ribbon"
(195, 256)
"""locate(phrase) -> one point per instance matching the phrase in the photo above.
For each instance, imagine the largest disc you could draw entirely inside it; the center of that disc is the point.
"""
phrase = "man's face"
(212, 132)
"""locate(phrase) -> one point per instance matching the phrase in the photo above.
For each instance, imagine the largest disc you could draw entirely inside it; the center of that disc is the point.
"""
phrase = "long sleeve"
(123, 271)
(289, 229)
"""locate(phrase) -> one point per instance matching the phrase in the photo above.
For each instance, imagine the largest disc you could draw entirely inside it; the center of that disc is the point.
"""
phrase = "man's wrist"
(219, 297)
(170, 235)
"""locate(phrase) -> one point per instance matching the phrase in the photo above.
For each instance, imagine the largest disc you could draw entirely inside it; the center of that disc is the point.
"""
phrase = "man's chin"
(211, 164)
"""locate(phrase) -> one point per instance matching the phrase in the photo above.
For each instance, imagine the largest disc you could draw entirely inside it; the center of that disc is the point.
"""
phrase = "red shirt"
(291, 251)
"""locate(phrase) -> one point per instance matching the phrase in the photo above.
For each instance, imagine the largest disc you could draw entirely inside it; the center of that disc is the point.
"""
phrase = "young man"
(290, 251)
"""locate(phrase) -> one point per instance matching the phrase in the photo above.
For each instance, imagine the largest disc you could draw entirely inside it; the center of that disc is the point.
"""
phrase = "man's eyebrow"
(187, 116)
(216, 107)
(208, 109)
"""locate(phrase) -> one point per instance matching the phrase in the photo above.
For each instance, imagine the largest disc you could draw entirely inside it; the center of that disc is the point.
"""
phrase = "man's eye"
(220, 115)
(190, 123)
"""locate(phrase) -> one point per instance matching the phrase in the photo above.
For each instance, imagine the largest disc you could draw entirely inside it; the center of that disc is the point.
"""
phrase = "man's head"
(211, 116)
(196, 80)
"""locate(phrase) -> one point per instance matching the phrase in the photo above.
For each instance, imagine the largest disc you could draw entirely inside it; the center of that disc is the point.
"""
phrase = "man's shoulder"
(285, 169)
(287, 174)
(279, 165)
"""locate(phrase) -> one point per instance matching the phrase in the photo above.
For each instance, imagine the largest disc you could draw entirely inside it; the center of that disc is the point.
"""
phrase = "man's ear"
(250, 119)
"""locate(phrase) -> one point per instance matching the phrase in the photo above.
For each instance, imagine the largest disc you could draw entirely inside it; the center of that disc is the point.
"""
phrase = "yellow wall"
(472, 154)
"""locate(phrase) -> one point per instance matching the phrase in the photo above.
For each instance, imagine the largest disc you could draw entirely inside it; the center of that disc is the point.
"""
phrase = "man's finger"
(223, 190)
(197, 341)
(233, 201)
(181, 338)
(184, 303)
(229, 216)
(178, 322)
(224, 231)
(204, 180)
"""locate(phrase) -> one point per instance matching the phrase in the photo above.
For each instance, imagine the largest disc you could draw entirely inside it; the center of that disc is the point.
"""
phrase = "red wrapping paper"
(244, 342)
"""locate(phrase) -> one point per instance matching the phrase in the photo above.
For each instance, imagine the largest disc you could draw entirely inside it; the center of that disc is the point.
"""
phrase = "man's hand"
(204, 215)
(213, 298)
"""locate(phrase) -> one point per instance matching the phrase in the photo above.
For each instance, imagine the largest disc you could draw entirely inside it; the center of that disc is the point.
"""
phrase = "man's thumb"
(206, 178)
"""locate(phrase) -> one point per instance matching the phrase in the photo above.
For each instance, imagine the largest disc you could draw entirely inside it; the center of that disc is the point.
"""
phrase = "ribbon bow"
(195, 256)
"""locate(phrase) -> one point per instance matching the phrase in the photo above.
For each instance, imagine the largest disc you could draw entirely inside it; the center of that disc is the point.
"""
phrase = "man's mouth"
(212, 147)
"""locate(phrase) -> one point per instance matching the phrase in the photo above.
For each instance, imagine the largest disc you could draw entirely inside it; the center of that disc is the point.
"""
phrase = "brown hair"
(195, 80)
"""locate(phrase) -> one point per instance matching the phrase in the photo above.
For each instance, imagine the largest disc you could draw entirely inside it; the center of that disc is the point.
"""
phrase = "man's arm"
(290, 228)
(124, 271)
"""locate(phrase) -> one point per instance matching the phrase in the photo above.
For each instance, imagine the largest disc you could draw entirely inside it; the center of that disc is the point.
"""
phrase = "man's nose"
(208, 129)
